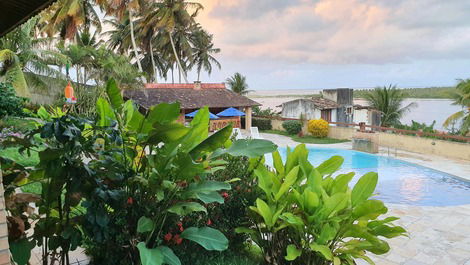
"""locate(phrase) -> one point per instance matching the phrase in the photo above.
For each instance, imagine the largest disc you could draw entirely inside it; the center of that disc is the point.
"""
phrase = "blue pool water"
(399, 182)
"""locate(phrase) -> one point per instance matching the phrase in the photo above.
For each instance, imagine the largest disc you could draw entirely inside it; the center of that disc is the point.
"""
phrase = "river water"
(427, 110)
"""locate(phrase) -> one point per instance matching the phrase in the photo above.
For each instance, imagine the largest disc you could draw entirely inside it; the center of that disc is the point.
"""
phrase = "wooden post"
(247, 118)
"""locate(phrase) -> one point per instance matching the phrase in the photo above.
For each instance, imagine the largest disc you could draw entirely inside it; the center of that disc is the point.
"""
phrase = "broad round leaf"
(292, 252)
(144, 225)
(153, 256)
(208, 238)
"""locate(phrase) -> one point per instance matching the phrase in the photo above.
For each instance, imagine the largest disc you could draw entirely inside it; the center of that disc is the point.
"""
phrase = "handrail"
(380, 128)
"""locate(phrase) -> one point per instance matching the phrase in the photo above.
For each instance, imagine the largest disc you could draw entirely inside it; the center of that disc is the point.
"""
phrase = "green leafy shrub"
(10, 104)
(262, 123)
(307, 216)
(126, 205)
(292, 127)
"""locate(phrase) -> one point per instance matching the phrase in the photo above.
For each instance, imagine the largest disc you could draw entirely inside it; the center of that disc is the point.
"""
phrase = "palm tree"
(125, 9)
(67, 16)
(176, 19)
(203, 48)
(237, 83)
(12, 72)
(32, 56)
(461, 97)
(389, 101)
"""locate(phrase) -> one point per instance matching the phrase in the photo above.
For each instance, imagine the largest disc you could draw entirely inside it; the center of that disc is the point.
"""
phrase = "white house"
(335, 105)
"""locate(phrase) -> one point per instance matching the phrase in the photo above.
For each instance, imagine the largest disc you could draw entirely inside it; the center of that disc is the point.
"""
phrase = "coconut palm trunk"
(154, 67)
(134, 45)
(177, 58)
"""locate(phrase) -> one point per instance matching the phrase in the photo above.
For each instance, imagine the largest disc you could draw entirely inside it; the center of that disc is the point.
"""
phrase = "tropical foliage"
(389, 101)
(121, 183)
(10, 104)
(237, 83)
(461, 96)
(308, 216)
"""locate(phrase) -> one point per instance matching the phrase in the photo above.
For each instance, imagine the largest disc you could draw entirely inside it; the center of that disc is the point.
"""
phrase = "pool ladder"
(388, 151)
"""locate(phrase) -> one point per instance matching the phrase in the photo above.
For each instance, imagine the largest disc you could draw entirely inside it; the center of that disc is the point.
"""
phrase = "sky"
(307, 44)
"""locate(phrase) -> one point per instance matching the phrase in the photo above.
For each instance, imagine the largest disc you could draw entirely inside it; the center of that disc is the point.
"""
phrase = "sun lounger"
(255, 133)
(238, 133)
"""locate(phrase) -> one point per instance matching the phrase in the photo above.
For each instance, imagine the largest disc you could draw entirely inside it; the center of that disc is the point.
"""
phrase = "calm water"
(399, 182)
(427, 111)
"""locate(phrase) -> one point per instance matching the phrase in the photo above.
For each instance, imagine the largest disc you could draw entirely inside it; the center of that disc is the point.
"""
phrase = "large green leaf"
(335, 203)
(288, 181)
(277, 162)
(207, 191)
(389, 231)
(105, 112)
(21, 251)
(292, 252)
(114, 94)
(341, 182)
(324, 250)
(208, 238)
(169, 256)
(150, 256)
(251, 148)
(167, 133)
(213, 142)
(364, 188)
(369, 210)
(145, 225)
(331, 165)
(185, 208)
(265, 211)
(164, 113)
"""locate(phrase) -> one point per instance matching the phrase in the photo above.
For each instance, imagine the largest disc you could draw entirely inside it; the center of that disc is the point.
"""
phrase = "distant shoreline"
(417, 93)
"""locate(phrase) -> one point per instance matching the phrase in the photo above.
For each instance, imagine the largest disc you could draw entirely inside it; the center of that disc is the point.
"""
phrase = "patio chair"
(255, 133)
(238, 133)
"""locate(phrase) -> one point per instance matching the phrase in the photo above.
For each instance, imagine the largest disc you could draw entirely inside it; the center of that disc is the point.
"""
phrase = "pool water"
(399, 181)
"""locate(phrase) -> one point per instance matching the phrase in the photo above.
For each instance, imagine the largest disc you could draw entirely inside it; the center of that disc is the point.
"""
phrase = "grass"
(249, 256)
(314, 140)
(307, 139)
(19, 124)
(24, 160)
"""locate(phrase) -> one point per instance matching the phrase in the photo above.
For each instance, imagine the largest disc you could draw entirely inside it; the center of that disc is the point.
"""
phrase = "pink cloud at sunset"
(271, 36)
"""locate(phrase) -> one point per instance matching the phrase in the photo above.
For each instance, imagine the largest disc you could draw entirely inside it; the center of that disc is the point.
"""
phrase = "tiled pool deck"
(437, 235)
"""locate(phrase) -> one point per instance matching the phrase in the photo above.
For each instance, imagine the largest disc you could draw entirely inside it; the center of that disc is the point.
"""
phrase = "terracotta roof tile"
(212, 95)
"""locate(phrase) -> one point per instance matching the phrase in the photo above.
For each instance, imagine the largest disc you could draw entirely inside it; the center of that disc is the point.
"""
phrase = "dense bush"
(307, 217)
(318, 128)
(416, 126)
(262, 123)
(292, 127)
(10, 104)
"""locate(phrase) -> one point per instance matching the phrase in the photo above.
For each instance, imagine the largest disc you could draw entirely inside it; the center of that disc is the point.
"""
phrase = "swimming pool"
(399, 181)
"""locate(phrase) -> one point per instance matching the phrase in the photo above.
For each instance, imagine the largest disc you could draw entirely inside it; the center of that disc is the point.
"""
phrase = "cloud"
(339, 32)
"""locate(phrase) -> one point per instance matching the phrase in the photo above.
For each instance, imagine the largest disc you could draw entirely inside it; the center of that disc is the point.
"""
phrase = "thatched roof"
(16, 12)
(190, 96)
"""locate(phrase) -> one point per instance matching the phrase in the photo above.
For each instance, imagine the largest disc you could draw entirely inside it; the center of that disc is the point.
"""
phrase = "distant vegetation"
(427, 92)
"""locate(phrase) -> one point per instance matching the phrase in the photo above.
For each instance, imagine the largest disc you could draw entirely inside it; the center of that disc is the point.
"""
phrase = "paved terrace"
(437, 235)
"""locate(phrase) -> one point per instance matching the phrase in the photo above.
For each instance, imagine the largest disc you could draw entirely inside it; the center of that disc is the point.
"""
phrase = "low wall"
(408, 143)
(426, 145)
(341, 132)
